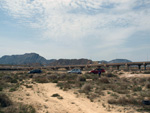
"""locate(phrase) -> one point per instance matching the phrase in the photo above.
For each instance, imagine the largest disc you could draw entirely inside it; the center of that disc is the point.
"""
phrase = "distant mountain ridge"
(115, 61)
(27, 58)
(71, 62)
(36, 59)
(120, 61)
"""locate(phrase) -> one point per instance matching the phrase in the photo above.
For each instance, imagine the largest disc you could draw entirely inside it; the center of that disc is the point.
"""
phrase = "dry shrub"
(60, 84)
(137, 88)
(121, 89)
(3, 85)
(92, 96)
(124, 101)
(126, 80)
(86, 88)
(148, 79)
(142, 80)
(41, 79)
(28, 86)
(4, 100)
(7, 78)
(111, 75)
(64, 85)
(62, 76)
(145, 93)
(1, 88)
(78, 84)
(99, 91)
(20, 108)
(148, 85)
(67, 86)
(57, 95)
(81, 78)
(30, 76)
(71, 76)
(104, 80)
(52, 77)
(146, 72)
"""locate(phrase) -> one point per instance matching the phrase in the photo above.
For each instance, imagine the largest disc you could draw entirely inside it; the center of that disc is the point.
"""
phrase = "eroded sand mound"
(40, 96)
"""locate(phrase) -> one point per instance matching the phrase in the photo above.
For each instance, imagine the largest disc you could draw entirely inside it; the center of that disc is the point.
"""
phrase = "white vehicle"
(78, 71)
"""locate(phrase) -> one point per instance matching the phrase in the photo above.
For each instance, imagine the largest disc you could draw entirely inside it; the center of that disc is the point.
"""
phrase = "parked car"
(78, 71)
(35, 71)
(96, 71)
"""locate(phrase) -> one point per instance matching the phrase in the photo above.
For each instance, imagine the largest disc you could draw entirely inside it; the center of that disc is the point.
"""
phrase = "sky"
(73, 29)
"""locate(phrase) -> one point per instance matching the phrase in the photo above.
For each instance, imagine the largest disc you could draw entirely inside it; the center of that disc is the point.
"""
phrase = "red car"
(96, 71)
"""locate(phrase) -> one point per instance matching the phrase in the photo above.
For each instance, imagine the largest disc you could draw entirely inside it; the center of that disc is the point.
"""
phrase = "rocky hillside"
(115, 61)
(71, 62)
(36, 59)
(28, 58)
(119, 61)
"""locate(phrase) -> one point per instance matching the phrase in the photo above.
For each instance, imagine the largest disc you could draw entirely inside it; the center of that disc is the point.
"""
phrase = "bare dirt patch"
(40, 96)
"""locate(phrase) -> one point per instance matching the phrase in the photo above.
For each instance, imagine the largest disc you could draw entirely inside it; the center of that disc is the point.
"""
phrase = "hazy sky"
(93, 29)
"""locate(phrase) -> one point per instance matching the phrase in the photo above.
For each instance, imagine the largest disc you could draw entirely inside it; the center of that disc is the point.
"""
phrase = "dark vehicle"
(96, 71)
(146, 102)
(35, 71)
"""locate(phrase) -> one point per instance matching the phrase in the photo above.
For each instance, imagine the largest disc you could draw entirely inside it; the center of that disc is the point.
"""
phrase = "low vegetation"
(10, 82)
(122, 91)
(57, 95)
(119, 91)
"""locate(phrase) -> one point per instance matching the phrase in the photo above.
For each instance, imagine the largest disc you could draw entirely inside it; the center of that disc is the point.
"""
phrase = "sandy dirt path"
(40, 96)
(128, 75)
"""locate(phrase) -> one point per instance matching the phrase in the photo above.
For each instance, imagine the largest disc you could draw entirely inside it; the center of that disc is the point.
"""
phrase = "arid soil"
(49, 98)
(128, 74)
(40, 97)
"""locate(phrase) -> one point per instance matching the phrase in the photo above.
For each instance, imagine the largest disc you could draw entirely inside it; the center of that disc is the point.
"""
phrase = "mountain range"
(114, 61)
(36, 59)
(27, 58)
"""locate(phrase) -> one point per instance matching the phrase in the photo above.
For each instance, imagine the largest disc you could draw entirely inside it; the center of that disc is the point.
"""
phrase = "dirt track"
(40, 96)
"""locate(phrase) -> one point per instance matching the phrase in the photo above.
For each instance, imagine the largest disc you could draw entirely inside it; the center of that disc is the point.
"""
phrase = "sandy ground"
(40, 96)
(128, 74)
